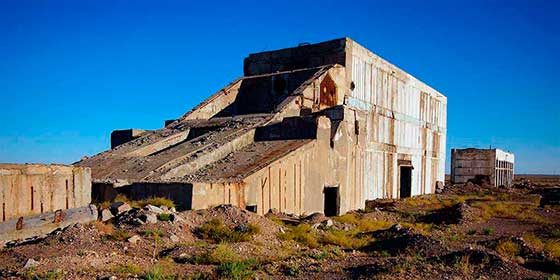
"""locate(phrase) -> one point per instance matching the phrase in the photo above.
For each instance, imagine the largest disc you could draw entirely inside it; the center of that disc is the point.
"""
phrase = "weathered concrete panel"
(31, 189)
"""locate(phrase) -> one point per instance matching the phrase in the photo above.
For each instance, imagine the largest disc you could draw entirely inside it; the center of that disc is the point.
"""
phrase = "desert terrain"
(464, 232)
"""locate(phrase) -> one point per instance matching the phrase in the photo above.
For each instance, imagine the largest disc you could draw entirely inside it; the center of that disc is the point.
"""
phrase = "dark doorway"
(406, 181)
(332, 201)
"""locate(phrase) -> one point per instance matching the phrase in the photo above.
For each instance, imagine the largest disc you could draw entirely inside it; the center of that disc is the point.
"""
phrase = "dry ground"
(467, 232)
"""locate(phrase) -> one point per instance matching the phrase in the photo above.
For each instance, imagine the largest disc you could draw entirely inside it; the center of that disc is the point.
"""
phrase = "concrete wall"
(31, 189)
(119, 137)
(405, 124)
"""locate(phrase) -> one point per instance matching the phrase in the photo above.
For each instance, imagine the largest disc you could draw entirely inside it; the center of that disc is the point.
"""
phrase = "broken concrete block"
(149, 218)
(134, 239)
(154, 209)
(118, 208)
(31, 263)
(328, 223)
(106, 215)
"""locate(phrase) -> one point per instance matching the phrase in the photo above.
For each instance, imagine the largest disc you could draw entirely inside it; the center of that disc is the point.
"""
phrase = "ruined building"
(492, 165)
(314, 128)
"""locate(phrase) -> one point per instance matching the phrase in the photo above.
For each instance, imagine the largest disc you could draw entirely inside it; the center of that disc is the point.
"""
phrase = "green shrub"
(164, 217)
(345, 239)
(216, 231)
(236, 270)
(303, 233)
(158, 201)
(552, 247)
(221, 254)
(153, 233)
(488, 231)
(120, 235)
(157, 273)
(508, 248)
(128, 268)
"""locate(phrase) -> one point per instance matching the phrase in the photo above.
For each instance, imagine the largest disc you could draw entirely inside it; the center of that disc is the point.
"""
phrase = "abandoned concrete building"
(493, 165)
(314, 128)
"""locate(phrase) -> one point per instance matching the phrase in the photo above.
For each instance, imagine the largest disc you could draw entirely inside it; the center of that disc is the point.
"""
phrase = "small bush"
(120, 235)
(345, 239)
(236, 270)
(533, 241)
(128, 268)
(349, 218)
(463, 264)
(216, 231)
(48, 275)
(164, 217)
(103, 228)
(508, 248)
(158, 201)
(157, 273)
(153, 233)
(291, 270)
(221, 254)
(488, 231)
(552, 247)
(303, 233)
(319, 256)
(471, 232)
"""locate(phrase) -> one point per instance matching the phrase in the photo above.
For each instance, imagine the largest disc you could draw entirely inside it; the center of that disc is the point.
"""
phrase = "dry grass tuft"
(216, 231)
(552, 247)
(103, 228)
(508, 248)
(303, 233)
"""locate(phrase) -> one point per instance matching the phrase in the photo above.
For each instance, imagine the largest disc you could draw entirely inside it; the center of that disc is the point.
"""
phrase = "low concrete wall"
(31, 189)
(38, 225)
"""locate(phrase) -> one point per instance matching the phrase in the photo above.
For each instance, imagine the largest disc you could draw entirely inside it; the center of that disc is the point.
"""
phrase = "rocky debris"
(439, 187)
(105, 215)
(149, 218)
(398, 239)
(30, 263)
(314, 218)
(134, 239)
(174, 238)
(119, 207)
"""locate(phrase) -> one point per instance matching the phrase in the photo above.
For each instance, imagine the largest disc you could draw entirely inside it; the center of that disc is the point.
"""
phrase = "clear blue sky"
(72, 71)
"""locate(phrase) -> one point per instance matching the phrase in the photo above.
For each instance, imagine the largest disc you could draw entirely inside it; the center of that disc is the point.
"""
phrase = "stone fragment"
(134, 239)
(118, 208)
(328, 223)
(106, 215)
(149, 218)
(174, 238)
(30, 263)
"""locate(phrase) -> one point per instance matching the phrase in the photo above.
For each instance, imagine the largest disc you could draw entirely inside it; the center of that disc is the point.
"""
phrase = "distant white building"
(494, 164)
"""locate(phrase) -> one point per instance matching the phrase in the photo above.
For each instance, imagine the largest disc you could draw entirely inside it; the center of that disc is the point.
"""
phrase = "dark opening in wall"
(251, 208)
(405, 181)
(332, 201)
